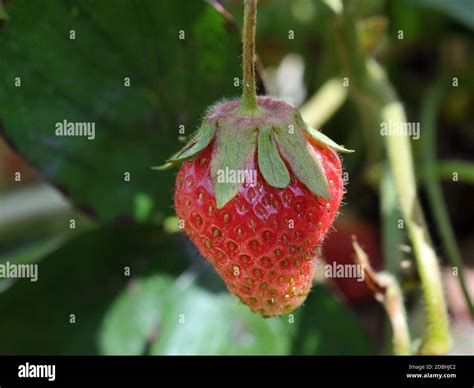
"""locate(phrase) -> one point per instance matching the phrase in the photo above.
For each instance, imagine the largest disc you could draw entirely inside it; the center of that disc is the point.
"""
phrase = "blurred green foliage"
(172, 81)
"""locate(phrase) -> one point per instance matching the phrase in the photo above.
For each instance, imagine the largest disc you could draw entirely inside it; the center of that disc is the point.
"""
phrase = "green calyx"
(279, 136)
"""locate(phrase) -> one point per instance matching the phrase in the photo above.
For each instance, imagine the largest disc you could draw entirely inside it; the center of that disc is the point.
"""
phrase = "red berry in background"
(338, 249)
(11, 164)
(262, 233)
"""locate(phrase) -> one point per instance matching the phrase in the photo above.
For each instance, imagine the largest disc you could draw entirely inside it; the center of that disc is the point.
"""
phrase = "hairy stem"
(249, 99)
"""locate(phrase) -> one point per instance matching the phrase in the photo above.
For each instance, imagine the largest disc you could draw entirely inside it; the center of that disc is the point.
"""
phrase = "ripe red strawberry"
(261, 235)
(338, 249)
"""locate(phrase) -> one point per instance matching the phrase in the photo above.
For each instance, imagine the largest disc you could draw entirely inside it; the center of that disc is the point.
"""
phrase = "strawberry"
(338, 249)
(257, 194)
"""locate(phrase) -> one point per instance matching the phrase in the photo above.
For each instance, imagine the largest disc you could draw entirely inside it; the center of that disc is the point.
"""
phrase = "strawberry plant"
(262, 234)
(255, 216)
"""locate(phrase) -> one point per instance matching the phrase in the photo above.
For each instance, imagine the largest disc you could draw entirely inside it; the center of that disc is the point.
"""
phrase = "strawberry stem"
(249, 98)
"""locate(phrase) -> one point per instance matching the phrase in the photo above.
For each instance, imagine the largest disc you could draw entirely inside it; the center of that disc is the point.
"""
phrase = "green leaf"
(309, 170)
(81, 278)
(322, 138)
(144, 301)
(172, 318)
(270, 163)
(327, 327)
(172, 82)
(230, 159)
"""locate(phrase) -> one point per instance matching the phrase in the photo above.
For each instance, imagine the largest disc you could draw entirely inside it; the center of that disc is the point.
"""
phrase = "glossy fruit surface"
(264, 241)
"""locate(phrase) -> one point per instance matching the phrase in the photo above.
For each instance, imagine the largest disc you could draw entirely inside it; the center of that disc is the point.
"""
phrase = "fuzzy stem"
(249, 98)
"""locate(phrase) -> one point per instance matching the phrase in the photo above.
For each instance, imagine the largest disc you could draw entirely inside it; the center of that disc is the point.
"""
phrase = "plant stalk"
(371, 88)
(433, 188)
(387, 291)
(249, 98)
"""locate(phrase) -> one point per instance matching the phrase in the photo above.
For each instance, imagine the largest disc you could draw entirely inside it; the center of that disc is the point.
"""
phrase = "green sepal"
(163, 167)
(232, 153)
(198, 142)
(271, 165)
(322, 138)
(295, 148)
(201, 140)
(319, 136)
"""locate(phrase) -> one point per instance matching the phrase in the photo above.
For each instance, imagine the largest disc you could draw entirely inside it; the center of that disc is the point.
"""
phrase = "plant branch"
(387, 291)
(437, 339)
(249, 99)
(377, 94)
(445, 169)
